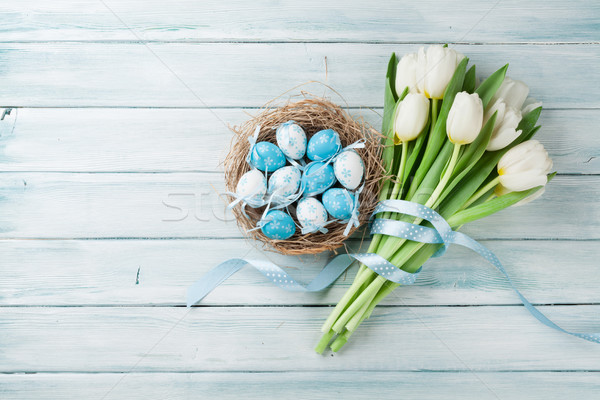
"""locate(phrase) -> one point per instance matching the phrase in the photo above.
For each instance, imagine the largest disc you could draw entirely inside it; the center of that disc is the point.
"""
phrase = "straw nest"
(313, 114)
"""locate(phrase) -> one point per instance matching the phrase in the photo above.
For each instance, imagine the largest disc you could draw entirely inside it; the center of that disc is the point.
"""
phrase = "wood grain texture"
(158, 273)
(112, 153)
(507, 21)
(115, 339)
(223, 74)
(81, 205)
(302, 385)
(164, 140)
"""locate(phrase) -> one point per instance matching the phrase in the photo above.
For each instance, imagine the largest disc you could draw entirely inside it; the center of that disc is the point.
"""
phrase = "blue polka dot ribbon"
(441, 233)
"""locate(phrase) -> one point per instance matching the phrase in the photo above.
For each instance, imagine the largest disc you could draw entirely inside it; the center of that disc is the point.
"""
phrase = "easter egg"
(311, 214)
(317, 178)
(291, 139)
(252, 186)
(284, 182)
(323, 144)
(349, 169)
(267, 157)
(279, 225)
(339, 203)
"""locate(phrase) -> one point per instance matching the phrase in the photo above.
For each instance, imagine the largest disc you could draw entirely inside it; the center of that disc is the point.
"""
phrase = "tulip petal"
(531, 198)
(523, 180)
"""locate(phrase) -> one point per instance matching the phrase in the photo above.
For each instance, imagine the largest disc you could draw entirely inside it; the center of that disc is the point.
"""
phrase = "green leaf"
(415, 151)
(391, 74)
(386, 128)
(470, 80)
(489, 87)
(485, 169)
(470, 184)
(492, 206)
(528, 122)
(472, 156)
(390, 97)
(434, 174)
(438, 135)
(531, 134)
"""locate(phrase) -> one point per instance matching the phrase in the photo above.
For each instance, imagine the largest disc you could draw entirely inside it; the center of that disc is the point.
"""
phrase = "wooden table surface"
(109, 165)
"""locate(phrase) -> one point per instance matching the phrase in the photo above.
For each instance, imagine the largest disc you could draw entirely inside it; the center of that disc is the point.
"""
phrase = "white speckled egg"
(284, 182)
(311, 214)
(339, 203)
(279, 225)
(252, 187)
(291, 139)
(349, 169)
(267, 157)
(323, 145)
(317, 178)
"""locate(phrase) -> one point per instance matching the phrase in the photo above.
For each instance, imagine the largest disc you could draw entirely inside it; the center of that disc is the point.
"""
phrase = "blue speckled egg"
(349, 169)
(267, 157)
(284, 182)
(311, 214)
(280, 225)
(323, 145)
(291, 139)
(338, 203)
(251, 187)
(317, 178)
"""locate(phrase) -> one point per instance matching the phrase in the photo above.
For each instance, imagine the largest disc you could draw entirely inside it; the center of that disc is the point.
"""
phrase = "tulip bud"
(505, 128)
(406, 74)
(465, 118)
(524, 167)
(410, 117)
(435, 68)
(513, 92)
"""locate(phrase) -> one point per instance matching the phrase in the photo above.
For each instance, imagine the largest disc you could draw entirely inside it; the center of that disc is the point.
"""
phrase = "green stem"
(434, 112)
(492, 184)
(445, 177)
(357, 318)
(351, 292)
(366, 295)
(399, 183)
(340, 341)
(400, 258)
(344, 301)
(325, 339)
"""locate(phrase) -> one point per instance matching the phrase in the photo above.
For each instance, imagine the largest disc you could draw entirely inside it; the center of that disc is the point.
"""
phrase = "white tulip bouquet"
(461, 148)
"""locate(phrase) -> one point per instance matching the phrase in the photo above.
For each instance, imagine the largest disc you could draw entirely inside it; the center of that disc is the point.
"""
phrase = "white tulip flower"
(505, 128)
(465, 118)
(410, 117)
(523, 167)
(435, 68)
(513, 92)
(406, 74)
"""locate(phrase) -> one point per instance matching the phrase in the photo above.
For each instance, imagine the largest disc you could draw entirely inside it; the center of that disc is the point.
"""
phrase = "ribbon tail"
(212, 279)
(277, 275)
(468, 242)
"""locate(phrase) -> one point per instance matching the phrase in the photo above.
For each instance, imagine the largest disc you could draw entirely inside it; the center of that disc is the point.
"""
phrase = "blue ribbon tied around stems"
(441, 233)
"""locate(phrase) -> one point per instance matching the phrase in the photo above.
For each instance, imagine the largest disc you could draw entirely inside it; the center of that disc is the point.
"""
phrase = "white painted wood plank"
(282, 339)
(233, 74)
(304, 385)
(122, 140)
(507, 21)
(158, 272)
(71, 205)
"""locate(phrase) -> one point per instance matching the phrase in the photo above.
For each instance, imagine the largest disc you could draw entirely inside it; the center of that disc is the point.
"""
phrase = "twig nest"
(310, 116)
